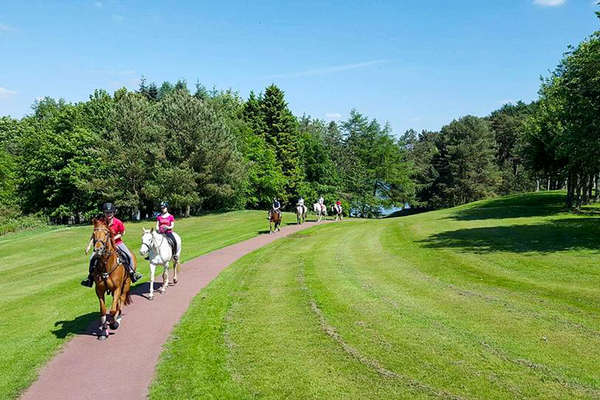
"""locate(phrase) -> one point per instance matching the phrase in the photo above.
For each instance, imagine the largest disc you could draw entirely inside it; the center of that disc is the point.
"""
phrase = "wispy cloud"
(329, 70)
(333, 116)
(549, 3)
(5, 28)
(112, 71)
(5, 93)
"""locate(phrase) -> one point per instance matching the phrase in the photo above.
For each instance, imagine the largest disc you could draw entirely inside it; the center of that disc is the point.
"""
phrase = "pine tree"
(281, 133)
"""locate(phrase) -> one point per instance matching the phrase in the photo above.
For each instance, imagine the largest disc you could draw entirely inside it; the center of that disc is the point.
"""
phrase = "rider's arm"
(89, 246)
(157, 225)
(120, 232)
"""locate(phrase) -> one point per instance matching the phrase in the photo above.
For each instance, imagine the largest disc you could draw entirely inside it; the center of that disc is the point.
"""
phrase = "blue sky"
(417, 64)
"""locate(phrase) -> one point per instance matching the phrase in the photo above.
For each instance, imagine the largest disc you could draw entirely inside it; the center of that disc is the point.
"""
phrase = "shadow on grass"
(557, 235)
(86, 324)
(517, 206)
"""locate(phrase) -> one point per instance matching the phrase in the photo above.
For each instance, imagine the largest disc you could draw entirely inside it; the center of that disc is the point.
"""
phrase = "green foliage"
(509, 124)
(466, 164)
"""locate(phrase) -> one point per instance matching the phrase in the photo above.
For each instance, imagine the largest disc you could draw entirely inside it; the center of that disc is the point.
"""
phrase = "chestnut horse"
(110, 277)
(274, 219)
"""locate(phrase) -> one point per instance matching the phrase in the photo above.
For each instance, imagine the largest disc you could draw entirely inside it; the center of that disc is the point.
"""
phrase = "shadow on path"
(86, 324)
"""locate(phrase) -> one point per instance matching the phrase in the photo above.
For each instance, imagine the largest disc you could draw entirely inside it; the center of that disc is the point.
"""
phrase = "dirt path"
(86, 367)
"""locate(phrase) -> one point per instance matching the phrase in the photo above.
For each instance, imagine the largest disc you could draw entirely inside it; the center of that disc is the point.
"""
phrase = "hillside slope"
(495, 299)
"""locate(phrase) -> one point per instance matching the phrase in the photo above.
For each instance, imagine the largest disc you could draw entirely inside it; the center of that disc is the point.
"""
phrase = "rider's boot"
(88, 282)
(135, 276)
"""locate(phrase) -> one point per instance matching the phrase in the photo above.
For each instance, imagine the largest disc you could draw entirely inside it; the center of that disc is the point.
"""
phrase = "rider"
(165, 223)
(322, 203)
(117, 229)
(301, 204)
(276, 207)
(338, 206)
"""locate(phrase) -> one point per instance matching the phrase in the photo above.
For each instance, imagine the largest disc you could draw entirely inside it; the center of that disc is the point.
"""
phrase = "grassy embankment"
(42, 302)
(495, 299)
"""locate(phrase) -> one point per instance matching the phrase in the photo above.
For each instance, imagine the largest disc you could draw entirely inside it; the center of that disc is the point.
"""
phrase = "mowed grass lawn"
(43, 303)
(498, 299)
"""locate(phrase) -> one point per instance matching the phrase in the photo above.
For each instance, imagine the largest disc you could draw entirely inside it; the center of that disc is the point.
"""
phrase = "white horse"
(320, 210)
(300, 214)
(159, 252)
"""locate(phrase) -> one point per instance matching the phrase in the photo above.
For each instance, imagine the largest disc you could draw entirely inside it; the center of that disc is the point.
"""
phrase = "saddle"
(123, 257)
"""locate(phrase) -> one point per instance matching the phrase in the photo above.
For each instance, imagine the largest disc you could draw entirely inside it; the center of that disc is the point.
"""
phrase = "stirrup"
(87, 283)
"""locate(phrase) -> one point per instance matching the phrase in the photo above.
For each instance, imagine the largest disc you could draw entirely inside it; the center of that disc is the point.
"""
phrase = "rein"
(106, 255)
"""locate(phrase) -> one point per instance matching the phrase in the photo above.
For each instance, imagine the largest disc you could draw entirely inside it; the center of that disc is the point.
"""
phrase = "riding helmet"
(108, 207)
(164, 204)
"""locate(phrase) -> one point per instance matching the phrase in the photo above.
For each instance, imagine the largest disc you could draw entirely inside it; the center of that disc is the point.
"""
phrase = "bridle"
(105, 251)
(104, 242)
(153, 244)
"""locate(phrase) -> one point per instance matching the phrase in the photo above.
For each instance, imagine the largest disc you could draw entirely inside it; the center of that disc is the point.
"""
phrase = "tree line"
(201, 151)
(207, 150)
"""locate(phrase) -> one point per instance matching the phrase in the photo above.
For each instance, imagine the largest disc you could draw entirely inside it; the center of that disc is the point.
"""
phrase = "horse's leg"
(123, 299)
(175, 263)
(165, 276)
(151, 293)
(115, 306)
(103, 328)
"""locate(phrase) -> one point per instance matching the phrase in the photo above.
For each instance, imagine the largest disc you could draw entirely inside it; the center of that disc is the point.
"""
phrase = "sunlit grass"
(42, 302)
(497, 299)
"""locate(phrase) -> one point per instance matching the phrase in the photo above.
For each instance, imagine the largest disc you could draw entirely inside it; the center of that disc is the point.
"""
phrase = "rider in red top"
(165, 223)
(117, 229)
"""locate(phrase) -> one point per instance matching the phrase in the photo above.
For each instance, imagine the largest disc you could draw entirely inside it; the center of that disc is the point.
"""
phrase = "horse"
(110, 275)
(320, 210)
(159, 252)
(337, 210)
(274, 219)
(300, 214)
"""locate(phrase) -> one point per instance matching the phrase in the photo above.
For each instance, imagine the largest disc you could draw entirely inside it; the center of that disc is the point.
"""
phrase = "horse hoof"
(174, 281)
(151, 297)
(102, 337)
(114, 325)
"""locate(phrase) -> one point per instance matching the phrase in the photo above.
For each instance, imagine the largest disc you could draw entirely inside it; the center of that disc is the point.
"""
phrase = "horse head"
(102, 238)
(147, 241)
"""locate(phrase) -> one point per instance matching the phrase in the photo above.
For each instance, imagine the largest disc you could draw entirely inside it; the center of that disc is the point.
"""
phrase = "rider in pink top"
(165, 223)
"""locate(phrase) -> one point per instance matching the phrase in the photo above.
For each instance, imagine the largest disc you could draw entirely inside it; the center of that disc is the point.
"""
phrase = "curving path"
(88, 369)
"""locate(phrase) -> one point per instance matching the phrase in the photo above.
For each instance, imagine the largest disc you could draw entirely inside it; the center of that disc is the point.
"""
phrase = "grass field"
(42, 302)
(498, 299)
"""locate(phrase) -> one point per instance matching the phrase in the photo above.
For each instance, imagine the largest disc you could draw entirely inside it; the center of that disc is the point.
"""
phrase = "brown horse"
(110, 276)
(274, 219)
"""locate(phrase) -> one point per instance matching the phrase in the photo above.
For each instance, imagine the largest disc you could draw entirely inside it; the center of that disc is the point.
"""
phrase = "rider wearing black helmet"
(276, 207)
(117, 229)
(165, 223)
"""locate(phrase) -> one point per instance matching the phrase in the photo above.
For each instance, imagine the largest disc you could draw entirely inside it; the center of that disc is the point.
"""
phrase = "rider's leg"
(135, 276)
(170, 235)
(89, 281)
